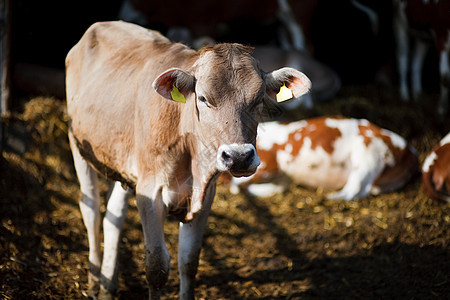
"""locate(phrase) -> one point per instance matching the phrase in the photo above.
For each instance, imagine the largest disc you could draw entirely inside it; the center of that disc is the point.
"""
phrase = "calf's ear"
(286, 83)
(174, 84)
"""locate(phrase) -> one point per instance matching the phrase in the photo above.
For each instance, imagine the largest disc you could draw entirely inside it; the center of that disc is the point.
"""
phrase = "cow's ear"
(286, 83)
(174, 84)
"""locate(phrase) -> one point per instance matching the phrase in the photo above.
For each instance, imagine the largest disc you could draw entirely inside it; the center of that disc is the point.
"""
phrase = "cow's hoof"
(105, 295)
(94, 287)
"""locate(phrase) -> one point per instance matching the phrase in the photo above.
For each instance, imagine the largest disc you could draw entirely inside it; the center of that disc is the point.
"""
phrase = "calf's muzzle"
(239, 159)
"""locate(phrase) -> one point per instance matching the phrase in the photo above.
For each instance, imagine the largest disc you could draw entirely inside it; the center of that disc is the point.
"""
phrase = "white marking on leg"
(90, 211)
(189, 246)
(420, 51)
(444, 70)
(116, 212)
(286, 16)
(400, 24)
(153, 211)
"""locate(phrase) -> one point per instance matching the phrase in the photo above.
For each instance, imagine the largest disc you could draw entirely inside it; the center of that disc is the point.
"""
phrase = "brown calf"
(164, 120)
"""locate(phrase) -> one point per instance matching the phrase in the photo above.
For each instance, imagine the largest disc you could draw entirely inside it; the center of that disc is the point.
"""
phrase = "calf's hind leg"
(153, 211)
(90, 211)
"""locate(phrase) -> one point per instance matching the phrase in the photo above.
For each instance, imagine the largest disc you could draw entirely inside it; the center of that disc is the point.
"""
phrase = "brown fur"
(436, 181)
(130, 133)
(320, 135)
(405, 168)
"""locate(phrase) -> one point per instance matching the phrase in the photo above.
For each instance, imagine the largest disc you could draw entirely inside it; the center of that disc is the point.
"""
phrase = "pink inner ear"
(165, 86)
(298, 86)
(294, 82)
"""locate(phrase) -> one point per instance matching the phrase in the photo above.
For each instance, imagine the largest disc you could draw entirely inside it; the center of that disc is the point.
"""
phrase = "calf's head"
(226, 91)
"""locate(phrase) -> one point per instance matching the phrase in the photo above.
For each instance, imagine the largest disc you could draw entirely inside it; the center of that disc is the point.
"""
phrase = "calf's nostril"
(227, 159)
(225, 155)
(249, 156)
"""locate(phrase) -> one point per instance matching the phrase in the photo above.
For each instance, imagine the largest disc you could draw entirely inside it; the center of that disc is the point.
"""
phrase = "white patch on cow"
(284, 157)
(367, 162)
(369, 133)
(297, 136)
(396, 140)
(343, 146)
(265, 189)
(312, 167)
(347, 127)
(445, 140)
(271, 133)
(288, 148)
(429, 161)
(364, 122)
(381, 152)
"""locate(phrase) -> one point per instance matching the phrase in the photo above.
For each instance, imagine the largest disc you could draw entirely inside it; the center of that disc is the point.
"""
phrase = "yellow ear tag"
(177, 96)
(284, 94)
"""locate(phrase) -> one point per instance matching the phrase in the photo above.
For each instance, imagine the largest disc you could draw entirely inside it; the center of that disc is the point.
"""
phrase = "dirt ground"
(293, 246)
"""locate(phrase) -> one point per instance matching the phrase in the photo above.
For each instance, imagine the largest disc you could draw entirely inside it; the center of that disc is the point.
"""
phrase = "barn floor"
(293, 246)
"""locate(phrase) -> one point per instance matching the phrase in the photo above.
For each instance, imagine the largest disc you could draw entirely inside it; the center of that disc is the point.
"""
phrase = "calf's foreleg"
(153, 211)
(190, 243)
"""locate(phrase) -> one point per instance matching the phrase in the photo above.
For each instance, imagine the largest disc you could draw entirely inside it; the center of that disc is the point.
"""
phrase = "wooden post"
(5, 59)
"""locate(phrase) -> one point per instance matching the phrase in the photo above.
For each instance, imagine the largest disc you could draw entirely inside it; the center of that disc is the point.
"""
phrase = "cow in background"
(353, 156)
(426, 21)
(436, 171)
(205, 18)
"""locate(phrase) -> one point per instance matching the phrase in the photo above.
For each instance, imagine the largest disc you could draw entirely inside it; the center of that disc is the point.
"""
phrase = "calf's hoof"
(93, 286)
(105, 294)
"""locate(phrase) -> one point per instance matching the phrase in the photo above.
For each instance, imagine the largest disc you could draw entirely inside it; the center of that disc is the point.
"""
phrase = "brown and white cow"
(425, 21)
(350, 155)
(436, 171)
(164, 120)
